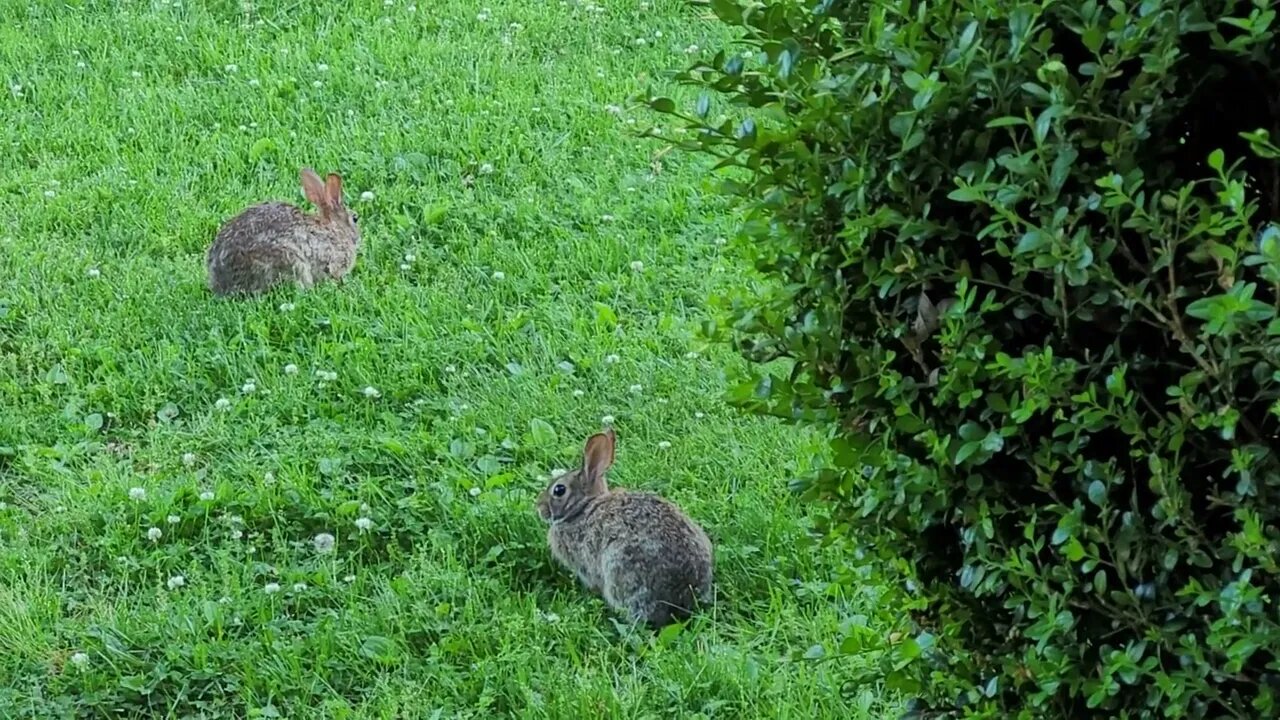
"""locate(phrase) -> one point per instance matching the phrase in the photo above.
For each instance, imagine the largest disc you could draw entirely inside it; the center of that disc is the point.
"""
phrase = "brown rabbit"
(275, 242)
(638, 550)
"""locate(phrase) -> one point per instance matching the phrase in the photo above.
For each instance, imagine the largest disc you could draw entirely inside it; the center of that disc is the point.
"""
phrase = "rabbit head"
(326, 195)
(567, 495)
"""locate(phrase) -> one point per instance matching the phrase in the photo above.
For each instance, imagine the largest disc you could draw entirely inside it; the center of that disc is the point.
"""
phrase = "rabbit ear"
(314, 188)
(333, 189)
(597, 457)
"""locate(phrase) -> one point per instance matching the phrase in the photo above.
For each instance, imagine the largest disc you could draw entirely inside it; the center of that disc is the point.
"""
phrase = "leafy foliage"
(1023, 261)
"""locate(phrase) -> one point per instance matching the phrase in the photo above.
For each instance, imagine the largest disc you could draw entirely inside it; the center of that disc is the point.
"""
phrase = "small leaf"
(663, 104)
(703, 105)
(348, 508)
(815, 652)
(1097, 492)
(1202, 308)
(168, 413)
(262, 148)
(606, 318)
(542, 432)
(1216, 160)
(57, 375)
(1031, 241)
(1115, 383)
(94, 421)
(380, 649)
(488, 464)
(1006, 121)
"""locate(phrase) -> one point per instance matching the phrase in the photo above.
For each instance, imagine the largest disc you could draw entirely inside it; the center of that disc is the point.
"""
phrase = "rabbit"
(641, 552)
(275, 242)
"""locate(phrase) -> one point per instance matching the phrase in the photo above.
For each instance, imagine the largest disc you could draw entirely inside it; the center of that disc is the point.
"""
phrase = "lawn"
(171, 464)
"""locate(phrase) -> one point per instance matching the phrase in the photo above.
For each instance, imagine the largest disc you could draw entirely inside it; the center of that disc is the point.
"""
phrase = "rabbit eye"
(355, 217)
(558, 490)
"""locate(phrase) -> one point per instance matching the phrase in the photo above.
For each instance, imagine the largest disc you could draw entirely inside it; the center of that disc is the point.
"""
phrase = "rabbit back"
(640, 552)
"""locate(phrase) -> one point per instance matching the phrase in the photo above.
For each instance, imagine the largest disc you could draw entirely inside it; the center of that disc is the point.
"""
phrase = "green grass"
(485, 134)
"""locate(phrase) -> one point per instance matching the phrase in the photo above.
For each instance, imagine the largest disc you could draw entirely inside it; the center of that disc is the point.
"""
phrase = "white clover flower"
(691, 355)
(614, 109)
(475, 492)
(606, 218)
(50, 194)
(230, 68)
(222, 404)
(173, 519)
(664, 445)
(450, 368)
(481, 432)
(606, 420)
(406, 266)
(699, 415)
(299, 587)
(322, 67)
(637, 266)
(364, 524)
(557, 473)
(248, 388)
(154, 534)
(486, 169)
(410, 257)
(348, 579)
(323, 543)
(482, 17)
(137, 494)
(176, 582)
(290, 369)
(367, 196)
(136, 74)
(579, 393)
(271, 588)
(499, 275)
(286, 307)
(188, 459)
(80, 659)
(372, 392)
(316, 83)
(268, 477)
(206, 496)
(641, 42)
(254, 82)
(636, 389)
(657, 33)
(612, 359)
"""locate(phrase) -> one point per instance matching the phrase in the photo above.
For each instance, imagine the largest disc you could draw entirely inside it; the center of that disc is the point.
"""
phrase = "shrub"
(1020, 256)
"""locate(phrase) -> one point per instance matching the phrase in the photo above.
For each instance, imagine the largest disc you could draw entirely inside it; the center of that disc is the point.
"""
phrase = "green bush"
(1021, 257)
